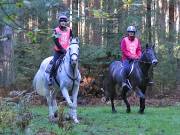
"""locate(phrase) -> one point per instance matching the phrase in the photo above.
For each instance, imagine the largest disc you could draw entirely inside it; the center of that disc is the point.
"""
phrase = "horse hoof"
(67, 118)
(128, 110)
(53, 119)
(103, 100)
(141, 112)
(56, 114)
(114, 111)
(76, 121)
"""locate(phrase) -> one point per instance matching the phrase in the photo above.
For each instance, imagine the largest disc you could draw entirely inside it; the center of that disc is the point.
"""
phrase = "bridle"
(146, 62)
(73, 78)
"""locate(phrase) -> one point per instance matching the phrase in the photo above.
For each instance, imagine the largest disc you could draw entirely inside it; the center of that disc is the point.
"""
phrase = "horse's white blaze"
(67, 71)
(74, 59)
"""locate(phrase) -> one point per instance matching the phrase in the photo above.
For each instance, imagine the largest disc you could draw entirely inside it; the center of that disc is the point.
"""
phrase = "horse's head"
(74, 51)
(149, 55)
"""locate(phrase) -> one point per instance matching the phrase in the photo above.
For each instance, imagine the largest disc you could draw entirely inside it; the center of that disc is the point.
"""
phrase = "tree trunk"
(171, 23)
(161, 19)
(149, 40)
(177, 41)
(109, 29)
(178, 34)
(171, 30)
(6, 69)
(75, 15)
(148, 16)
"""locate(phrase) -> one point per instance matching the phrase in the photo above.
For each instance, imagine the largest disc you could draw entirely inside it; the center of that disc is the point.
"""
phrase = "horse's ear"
(77, 40)
(147, 45)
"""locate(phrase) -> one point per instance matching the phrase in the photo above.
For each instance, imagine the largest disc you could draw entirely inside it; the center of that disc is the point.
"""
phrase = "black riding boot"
(51, 75)
(125, 82)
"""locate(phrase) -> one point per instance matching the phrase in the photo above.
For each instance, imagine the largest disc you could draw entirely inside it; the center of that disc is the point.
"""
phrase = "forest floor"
(100, 121)
(161, 116)
(157, 100)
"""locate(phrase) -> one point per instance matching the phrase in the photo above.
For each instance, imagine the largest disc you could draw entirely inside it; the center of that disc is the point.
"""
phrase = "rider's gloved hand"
(63, 51)
(130, 59)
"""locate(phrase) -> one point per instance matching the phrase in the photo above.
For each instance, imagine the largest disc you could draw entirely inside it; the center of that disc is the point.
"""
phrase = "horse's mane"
(73, 41)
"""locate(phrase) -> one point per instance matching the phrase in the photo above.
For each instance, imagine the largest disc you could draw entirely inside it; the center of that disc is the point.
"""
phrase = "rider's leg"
(51, 74)
(61, 56)
(125, 71)
(56, 56)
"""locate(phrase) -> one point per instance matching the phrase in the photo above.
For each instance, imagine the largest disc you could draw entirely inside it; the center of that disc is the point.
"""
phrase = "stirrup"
(50, 86)
(50, 82)
(150, 83)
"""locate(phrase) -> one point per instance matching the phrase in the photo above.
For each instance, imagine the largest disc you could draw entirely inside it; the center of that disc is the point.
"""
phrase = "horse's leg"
(124, 91)
(112, 105)
(111, 87)
(142, 103)
(70, 104)
(55, 108)
(50, 106)
(74, 109)
(66, 96)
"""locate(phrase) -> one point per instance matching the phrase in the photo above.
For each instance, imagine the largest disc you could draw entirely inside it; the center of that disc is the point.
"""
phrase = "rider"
(61, 37)
(131, 50)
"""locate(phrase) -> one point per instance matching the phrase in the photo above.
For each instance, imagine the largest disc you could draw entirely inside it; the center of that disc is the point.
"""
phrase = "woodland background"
(26, 30)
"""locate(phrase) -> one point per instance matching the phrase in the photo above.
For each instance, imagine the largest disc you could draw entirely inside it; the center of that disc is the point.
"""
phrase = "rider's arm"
(55, 39)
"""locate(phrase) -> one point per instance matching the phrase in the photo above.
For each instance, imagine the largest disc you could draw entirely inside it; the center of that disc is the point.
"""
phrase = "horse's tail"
(39, 83)
(109, 83)
(106, 88)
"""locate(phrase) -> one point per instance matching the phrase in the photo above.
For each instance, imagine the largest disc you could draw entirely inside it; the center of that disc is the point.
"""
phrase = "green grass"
(98, 120)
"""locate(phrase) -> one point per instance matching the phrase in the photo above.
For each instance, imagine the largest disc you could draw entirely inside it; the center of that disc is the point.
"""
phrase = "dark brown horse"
(137, 78)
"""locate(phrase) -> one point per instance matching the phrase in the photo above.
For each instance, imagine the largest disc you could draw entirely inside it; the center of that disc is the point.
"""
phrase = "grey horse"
(68, 77)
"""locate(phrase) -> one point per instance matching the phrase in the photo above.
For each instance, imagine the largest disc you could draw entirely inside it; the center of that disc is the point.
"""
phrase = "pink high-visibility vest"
(64, 38)
(131, 46)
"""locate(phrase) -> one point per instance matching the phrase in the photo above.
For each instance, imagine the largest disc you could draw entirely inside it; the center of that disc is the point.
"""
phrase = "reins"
(73, 69)
(144, 61)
